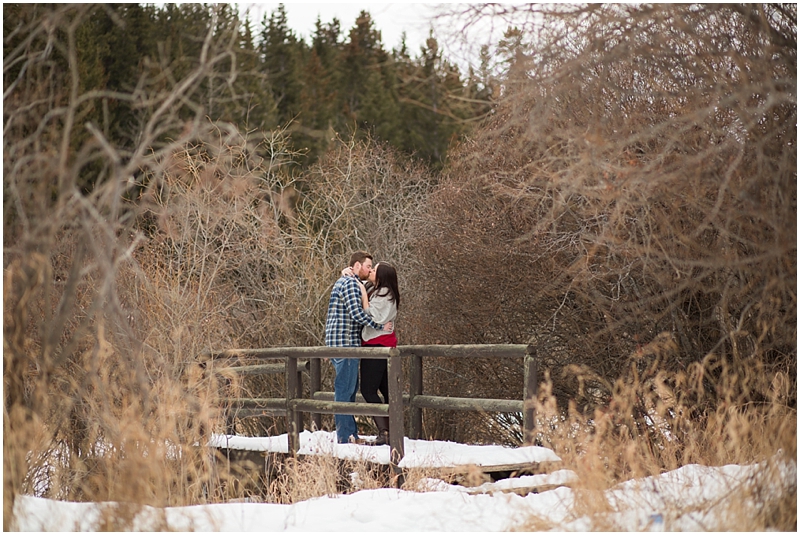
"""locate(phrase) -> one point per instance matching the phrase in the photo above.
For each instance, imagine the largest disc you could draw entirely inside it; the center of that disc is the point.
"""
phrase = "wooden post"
(291, 412)
(315, 385)
(299, 415)
(230, 422)
(529, 395)
(396, 431)
(415, 389)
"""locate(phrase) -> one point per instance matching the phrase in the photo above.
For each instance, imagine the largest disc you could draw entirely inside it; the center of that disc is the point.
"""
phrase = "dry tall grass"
(94, 409)
(651, 428)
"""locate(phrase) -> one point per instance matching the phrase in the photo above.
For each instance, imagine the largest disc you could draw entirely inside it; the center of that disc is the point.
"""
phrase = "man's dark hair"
(359, 256)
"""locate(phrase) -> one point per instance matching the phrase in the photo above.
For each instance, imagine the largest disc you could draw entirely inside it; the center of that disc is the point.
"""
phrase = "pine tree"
(432, 103)
(367, 96)
(282, 54)
(259, 110)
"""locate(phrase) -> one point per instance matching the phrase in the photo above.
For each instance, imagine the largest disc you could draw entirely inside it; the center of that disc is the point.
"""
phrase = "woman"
(381, 303)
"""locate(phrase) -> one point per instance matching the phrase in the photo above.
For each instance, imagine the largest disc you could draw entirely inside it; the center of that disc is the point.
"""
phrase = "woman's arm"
(364, 297)
(352, 303)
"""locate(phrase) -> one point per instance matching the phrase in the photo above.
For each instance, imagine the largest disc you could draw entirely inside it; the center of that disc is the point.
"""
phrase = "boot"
(383, 438)
(382, 423)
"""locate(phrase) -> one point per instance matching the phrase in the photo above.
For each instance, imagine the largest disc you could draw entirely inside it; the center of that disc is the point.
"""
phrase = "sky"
(691, 498)
(392, 19)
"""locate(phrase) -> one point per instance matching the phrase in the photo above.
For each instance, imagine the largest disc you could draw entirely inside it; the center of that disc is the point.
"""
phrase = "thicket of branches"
(98, 401)
(240, 254)
(630, 208)
(198, 237)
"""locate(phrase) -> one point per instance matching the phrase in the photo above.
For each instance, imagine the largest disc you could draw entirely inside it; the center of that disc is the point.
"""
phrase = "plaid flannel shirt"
(346, 317)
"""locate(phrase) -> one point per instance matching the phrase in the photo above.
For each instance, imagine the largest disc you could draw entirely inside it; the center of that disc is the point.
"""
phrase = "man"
(346, 317)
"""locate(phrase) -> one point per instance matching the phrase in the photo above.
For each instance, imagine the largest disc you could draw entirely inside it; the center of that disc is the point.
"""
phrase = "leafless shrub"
(205, 277)
(362, 195)
(631, 204)
(92, 410)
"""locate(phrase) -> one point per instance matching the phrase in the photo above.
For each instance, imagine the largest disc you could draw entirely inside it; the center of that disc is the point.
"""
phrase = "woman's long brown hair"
(386, 277)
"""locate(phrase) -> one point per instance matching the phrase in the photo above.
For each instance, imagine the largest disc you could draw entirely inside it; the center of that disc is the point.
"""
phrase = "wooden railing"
(306, 360)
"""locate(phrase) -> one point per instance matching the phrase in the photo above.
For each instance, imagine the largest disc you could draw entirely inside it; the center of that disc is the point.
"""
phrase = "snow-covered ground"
(692, 498)
(418, 453)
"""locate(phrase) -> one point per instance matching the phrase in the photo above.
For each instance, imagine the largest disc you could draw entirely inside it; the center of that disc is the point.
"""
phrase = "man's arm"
(351, 293)
(348, 272)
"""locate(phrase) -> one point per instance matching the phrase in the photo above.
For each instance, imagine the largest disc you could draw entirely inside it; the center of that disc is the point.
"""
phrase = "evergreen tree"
(433, 103)
(359, 66)
(181, 29)
(269, 77)
(127, 34)
(259, 109)
(282, 54)
(319, 94)
(367, 95)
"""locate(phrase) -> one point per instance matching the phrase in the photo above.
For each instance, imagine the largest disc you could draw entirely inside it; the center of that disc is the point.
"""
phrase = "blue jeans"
(345, 386)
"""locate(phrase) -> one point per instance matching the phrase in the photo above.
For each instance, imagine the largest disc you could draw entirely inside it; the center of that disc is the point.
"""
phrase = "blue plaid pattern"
(346, 317)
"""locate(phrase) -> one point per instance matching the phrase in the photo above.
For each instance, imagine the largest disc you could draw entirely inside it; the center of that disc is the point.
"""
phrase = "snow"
(418, 453)
(691, 498)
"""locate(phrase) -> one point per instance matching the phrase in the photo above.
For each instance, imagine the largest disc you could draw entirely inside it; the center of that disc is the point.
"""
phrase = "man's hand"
(388, 326)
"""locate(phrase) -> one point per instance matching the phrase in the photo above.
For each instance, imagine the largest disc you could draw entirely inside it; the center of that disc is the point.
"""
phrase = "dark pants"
(374, 379)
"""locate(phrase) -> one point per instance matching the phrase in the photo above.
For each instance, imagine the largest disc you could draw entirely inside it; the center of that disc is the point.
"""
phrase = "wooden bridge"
(300, 361)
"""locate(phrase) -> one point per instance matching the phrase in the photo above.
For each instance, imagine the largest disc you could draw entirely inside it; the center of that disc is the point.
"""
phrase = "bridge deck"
(446, 456)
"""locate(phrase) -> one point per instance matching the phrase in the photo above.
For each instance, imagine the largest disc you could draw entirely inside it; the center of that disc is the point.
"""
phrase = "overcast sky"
(392, 19)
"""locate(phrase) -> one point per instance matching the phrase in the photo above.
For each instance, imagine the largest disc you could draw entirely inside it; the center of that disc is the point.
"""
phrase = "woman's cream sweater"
(382, 309)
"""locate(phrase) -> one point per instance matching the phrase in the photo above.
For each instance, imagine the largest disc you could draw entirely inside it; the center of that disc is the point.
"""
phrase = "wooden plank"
(315, 383)
(261, 369)
(230, 423)
(466, 351)
(252, 412)
(298, 352)
(444, 402)
(257, 403)
(330, 396)
(299, 415)
(344, 407)
(467, 404)
(514, 468)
